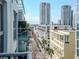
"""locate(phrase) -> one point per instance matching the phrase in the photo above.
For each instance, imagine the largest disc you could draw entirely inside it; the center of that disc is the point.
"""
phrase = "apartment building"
(42, 31)
(8, 21)
(63, 43)
(9, 11)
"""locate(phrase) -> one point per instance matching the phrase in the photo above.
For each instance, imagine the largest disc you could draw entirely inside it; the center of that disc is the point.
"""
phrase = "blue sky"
(32, 8)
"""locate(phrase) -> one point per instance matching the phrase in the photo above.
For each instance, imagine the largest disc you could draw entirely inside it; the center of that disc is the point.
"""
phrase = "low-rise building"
(63, 43)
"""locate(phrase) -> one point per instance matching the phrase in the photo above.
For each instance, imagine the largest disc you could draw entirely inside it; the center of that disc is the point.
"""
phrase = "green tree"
(50, 51)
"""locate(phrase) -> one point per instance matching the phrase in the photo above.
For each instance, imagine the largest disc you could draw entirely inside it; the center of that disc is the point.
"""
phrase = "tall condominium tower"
(45, 13)
(66, 15)
(77, 33)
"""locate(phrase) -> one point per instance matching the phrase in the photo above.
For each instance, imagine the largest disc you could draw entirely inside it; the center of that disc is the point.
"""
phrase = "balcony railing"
(21, 55)
(21, 5)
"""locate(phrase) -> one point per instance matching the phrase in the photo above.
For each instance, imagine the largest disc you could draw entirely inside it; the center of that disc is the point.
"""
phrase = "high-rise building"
(66, 15)
(77, 33)
(45, 13)
(59, 22)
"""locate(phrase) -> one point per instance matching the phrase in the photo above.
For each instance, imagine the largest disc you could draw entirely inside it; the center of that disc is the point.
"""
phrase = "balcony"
(22, 37)
(22, 46)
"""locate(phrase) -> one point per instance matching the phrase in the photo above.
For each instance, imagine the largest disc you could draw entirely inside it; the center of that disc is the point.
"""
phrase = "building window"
(77, 26)
(77, 34)
(15, 26)
(1, 20)
(77, 43)
(77, 52)
(61, 37)
(66, 39)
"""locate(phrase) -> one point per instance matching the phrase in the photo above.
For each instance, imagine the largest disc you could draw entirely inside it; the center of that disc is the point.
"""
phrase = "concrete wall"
(9, 43)
(69, 48)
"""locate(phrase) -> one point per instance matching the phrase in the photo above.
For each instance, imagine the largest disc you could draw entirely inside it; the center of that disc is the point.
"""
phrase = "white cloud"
(32, 19)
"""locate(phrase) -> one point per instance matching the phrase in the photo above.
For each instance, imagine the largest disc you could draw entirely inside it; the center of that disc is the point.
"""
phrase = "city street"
(36, 52)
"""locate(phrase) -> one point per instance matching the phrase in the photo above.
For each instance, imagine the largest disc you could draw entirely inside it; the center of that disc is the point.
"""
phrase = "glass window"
(15, 25)
(0, 18)
(77, 26)
(1, 21)
(61, 37)
(77, 43)
(66, 39)
(77, 34)
(77, 52)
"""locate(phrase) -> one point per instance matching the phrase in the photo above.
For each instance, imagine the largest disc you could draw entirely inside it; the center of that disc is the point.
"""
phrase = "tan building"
(63, 44)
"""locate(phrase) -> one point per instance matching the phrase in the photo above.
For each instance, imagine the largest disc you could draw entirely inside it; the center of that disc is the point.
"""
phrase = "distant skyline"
(32, 8)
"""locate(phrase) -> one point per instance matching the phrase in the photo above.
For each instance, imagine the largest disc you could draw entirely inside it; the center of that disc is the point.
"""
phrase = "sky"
(32, 9)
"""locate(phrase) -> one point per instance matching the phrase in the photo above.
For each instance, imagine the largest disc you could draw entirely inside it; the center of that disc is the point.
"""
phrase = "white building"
(8, 19)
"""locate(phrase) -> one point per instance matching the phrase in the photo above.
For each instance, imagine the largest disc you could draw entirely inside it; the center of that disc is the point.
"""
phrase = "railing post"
(25, 57)
(8, 57)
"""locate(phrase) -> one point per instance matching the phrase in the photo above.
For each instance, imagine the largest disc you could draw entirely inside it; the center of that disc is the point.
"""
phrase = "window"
(77, 43)
(1, 20)
(77, 34)
(77, 26)
(77, 52)
(66, 39)
(15, 25)
(61, 37)
(15, 1)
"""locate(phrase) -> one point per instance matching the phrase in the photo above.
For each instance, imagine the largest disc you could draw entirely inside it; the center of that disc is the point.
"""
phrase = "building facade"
(8, 24)
(63, 44)
(9, 16)
(45, 13)
(77, 32)
(66, 15)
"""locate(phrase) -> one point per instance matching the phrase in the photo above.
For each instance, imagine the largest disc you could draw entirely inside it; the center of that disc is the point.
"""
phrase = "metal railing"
(21, 5)
(21, 55)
